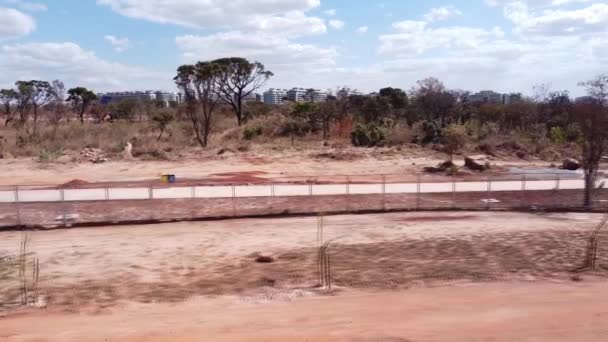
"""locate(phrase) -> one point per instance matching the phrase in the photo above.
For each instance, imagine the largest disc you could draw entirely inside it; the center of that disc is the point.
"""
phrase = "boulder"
(571, 164)
(477, 162)
(442, 167)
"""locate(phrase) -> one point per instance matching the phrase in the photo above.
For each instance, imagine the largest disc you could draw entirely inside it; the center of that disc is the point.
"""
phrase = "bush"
(250, 133)
(453, 138)
(399, 135)
(47, 156)
(558, 135)
(368, 135)
(426, 132)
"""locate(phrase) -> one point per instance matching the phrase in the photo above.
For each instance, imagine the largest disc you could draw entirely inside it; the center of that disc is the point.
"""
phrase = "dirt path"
(488, 312)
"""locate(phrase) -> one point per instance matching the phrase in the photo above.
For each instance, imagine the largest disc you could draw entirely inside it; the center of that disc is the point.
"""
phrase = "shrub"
(453, 138)
(368, 135)
(250, 133)
(399, 135)
(426, 132)
(558, 135)
(46, 156)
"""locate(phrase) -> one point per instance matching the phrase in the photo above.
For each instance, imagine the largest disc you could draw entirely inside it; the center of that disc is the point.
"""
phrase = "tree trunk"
(590, 176)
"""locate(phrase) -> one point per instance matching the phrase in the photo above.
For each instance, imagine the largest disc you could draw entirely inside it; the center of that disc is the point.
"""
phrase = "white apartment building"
(296, 95)
(148, 95)
(275, 96)
(315, 95)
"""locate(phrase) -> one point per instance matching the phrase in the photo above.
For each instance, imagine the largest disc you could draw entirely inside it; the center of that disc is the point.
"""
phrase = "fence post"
(233, 200)
(383, 193)
(107, 193)
(453, 191)
(151, 192)
(347, 193)
(418, 189)
(523, 190)
(489, 193)
(18, 207)
(556, 193)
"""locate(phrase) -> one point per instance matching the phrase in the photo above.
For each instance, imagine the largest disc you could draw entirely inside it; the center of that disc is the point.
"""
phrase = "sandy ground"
(274, 164)
(480, 312)
(88, 269)
(397, 277)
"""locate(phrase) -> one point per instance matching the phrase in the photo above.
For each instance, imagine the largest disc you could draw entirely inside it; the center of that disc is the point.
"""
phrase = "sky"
(117, 45)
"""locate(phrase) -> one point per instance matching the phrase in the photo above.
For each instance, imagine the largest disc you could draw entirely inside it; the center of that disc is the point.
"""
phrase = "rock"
(477, 162)
(223, 151)
(100, 160)
(128, 152)
(432, 169)
(571, 164)
(264, 259)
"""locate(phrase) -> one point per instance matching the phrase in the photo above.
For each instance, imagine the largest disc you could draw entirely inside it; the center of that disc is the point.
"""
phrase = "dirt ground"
(397, 277)
(271, 164)
(500, 312)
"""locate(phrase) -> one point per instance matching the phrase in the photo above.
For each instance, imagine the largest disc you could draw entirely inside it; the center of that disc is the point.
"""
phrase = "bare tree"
(592, 118)
(237, 79)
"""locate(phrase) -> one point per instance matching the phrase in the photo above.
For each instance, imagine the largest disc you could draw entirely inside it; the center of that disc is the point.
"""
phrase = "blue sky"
(506, 45)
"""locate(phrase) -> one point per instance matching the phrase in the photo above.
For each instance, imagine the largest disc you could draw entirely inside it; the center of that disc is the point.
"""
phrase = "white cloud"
(362, 29)
(258, 15)
(75, 66)
(553, 22)
(535, 3)
(330, 12)
(442, 13)
(27, 6)
(119, 44)
(337, 24)
(275, 52)
(15, 24)
(415, 37)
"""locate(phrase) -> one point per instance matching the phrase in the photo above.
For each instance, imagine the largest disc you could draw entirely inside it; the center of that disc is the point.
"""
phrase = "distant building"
(487, 96)
(296, 95)
(148, 95)
(253, 97)
(492, 97)
(275, 96)
(315, 96)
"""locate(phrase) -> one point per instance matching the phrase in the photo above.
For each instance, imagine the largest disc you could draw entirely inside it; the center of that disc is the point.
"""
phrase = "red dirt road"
(481, 312)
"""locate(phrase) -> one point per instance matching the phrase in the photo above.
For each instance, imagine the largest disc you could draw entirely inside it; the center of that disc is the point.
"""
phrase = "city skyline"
(112, 45)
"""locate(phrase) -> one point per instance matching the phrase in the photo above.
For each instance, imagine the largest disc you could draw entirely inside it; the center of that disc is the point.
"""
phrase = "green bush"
(46, 156)
(252, 132)
(558, 135)
(368, 135)
(427, 132)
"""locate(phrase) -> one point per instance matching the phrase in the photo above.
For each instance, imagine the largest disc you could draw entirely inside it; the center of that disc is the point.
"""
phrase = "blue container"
(171, 179)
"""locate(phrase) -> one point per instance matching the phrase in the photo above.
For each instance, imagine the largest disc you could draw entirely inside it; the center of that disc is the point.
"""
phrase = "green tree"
(453, 138)
(7, 99)
(162, 119)
(237, 79)
(81, 98)
(201, 84)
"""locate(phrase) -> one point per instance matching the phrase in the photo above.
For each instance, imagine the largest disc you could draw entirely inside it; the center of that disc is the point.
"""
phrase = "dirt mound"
(341, 156)
(74, 183)
(250, 177)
